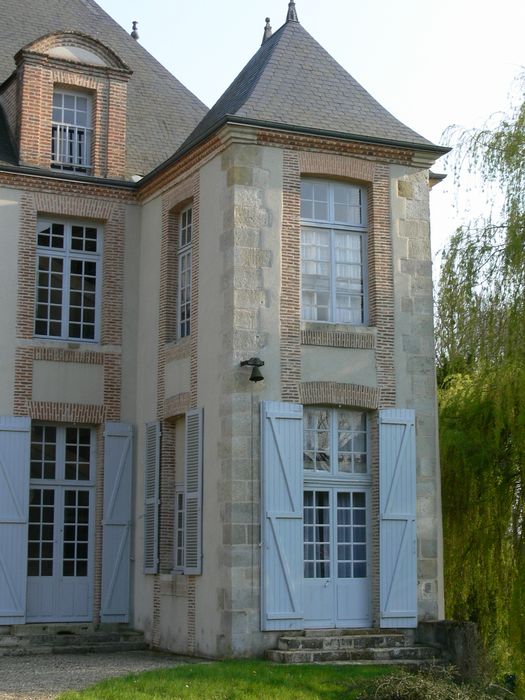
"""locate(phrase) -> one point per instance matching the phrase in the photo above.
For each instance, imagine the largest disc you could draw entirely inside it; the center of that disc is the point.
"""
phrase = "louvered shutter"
(116, 522)
(282, 515)
(151, 498)
(14, 509)
(397, 484)
(193, 493)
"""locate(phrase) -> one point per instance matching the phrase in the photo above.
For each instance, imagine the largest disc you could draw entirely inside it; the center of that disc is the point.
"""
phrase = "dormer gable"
(66, 105)
(75, 47)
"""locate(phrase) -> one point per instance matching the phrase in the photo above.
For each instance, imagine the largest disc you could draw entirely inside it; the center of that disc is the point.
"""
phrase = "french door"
(61, 524)
(336, 557)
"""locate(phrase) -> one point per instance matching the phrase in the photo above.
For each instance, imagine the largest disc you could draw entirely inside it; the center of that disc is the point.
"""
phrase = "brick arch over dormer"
(101, 55)
(49, 65)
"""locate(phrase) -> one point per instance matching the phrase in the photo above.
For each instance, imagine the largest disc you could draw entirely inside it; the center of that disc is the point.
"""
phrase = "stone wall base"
(460, 643)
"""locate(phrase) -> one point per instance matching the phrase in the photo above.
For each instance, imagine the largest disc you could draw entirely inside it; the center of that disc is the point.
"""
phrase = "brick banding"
(178, 351)
(338, 394)
(338, 339)
(177, 405)
(90, 414)
(63, 355)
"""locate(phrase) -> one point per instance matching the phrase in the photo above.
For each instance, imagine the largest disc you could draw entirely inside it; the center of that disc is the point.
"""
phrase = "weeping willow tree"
(481, 376)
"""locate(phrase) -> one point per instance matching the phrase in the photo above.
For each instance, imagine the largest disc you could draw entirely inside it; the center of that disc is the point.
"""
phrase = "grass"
(237, 680)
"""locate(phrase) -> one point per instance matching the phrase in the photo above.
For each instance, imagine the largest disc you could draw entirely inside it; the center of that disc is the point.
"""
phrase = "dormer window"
(71, 131)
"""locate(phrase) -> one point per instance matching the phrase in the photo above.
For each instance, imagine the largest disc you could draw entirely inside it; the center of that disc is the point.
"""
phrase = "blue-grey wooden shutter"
(14, 510)
(116, 523)
(397, 497)
(193, 493)
(151, 498)
(282, 515)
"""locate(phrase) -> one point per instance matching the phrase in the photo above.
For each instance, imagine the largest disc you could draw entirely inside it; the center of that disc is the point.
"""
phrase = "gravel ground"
(43, 677)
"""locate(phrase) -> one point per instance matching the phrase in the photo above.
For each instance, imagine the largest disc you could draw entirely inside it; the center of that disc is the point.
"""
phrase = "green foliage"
(481, 373)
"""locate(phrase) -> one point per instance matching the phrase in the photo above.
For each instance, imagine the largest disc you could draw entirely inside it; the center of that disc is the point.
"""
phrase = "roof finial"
(267, 31)
(292, 12)
(134, 32)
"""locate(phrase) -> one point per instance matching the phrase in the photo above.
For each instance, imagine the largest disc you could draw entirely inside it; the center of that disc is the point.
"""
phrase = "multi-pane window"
(333, 252)
(184, 281)
(71, 131)
(351, 534)
(335, 441)
(335, 533)
(316, 516)
(60, 499)
(68, 272)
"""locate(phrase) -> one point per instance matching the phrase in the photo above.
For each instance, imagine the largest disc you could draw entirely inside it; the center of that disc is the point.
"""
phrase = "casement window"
(184, 276)
(60, 501)
(335, 442)
(68, 280)
(71, 129)
(333, 252)
(336, 495)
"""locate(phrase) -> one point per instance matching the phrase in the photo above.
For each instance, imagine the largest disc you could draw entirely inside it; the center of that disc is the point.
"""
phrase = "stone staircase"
(354, 647)
(26, 640)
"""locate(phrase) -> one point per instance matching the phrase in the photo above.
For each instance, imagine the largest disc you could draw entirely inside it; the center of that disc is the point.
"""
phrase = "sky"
(431, 63)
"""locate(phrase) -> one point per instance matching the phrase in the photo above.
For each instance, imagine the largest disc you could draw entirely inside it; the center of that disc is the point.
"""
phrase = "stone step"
(79, 639)
(56, 628)
(351, 632)
(63, 639)
(350, 641)
(386, 654)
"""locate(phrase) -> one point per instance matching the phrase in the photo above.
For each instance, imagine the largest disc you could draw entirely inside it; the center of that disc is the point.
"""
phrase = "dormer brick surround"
(70, 61)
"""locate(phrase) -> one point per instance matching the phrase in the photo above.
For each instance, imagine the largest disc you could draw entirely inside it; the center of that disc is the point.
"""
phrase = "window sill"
(178, 349)
(338, 335)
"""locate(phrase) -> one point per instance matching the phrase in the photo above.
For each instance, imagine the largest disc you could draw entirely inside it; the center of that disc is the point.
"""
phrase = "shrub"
(433, 684)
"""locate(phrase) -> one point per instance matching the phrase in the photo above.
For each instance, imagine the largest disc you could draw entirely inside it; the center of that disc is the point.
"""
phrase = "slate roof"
(7, 154)
(292, 81)
(161, 111)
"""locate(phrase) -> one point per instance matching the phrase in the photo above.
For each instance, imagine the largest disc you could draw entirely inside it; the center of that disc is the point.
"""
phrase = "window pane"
(347, 204)
(316, 437)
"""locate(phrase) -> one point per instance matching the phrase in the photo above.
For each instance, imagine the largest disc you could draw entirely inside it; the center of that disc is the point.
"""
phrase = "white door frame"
(333, 601)
(54, 593)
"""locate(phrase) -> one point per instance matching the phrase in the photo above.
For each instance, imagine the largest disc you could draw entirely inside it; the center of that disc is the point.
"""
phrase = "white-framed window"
(335, 442)
(333, 252)
(68, 278)
(71, 129)
(184, 277)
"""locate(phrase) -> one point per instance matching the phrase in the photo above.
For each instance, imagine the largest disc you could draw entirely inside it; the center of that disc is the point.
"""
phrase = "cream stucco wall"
(129, 312)
(147, 299)
(177, 376)
(68, 382)
(9, 232)
(346, 365)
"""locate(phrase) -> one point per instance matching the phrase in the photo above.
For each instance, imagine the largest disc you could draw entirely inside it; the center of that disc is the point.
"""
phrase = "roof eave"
(69, 177)
(424, 149)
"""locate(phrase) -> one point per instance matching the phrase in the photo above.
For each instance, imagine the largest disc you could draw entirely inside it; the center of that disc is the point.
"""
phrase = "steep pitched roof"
(161, 111)
(292, 81)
